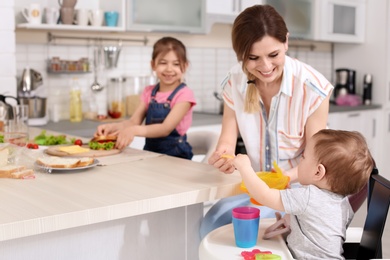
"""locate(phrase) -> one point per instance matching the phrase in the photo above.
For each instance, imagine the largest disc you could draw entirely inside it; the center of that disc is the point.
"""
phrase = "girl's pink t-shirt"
(183, 95)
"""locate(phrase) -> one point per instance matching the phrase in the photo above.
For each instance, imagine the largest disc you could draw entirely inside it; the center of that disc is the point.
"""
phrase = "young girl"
(166, 107)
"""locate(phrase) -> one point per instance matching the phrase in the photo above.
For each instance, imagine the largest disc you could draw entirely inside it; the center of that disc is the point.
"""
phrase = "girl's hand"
(125, 137)
(108, 129)
(223, 163)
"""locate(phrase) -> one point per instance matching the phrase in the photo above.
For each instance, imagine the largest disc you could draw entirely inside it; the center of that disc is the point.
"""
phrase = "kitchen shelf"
(69, 27)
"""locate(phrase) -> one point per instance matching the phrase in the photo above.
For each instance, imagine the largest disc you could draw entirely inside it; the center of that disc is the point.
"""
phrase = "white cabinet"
(367, 122)
(383, 164)
(225, 11)
(322, 20)
(183, 16)
(341, 20)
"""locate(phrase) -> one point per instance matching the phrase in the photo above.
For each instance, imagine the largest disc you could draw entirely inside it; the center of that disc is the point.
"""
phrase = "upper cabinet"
(184, 16)
(320, 20)
(98, 7)
(225, 11)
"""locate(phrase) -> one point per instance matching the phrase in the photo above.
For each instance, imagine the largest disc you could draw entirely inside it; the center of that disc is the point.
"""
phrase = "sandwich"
(61, 162)
(16, 172)
(13, 171)
(102, 142)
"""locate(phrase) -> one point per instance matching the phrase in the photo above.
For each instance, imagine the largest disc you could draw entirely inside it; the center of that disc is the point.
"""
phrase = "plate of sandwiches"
(55, 163)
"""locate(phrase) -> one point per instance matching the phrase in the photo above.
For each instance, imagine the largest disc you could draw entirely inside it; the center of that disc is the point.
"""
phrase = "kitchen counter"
(86, 128)
(334, 108)
(132, 189)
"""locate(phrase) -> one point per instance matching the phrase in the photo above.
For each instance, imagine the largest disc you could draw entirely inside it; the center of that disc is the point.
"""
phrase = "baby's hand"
(241, 161)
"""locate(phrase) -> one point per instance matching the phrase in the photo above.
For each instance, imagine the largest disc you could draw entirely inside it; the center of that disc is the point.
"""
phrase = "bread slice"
(10, 170)
(85, 161)
(61, 162)
(3, 157)
(58, 162)
(23, 174)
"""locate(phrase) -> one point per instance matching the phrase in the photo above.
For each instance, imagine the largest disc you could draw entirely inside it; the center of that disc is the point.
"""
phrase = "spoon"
(96, 87)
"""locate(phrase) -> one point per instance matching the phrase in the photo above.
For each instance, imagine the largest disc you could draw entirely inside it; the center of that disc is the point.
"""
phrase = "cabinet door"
(365, 122)
(221, 7)
(383, 164)
(298, 15)
(184, 16)
(342, 20)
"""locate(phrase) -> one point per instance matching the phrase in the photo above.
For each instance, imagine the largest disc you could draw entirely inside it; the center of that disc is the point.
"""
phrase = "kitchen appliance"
(367, 89)
(345, 82)
(29, 89)
(8, 106)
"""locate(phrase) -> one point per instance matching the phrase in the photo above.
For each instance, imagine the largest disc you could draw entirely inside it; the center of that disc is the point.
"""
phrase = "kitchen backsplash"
(208, 66)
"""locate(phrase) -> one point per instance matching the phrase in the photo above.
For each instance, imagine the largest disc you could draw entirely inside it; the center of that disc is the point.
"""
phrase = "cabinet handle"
(388, 123)
(354, 115)
(235, 3)
(373, 128)
(388, 98)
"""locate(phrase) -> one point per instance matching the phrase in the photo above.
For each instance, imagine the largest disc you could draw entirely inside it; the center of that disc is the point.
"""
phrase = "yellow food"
(227, 156)
(275, 180)
(73, 149)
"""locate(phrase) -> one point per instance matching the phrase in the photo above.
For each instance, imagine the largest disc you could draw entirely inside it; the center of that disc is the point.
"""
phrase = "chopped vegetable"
(78, 142)
(1, 138)
(43, 139)
(101, 146)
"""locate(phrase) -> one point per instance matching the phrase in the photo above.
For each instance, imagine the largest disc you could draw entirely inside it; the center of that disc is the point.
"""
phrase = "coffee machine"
(31, 93)
(345, 82)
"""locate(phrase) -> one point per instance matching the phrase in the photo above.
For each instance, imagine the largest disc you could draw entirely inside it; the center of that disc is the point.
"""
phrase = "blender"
(32, 94)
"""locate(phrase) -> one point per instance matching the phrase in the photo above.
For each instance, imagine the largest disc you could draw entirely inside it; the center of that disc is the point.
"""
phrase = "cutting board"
(53, 150)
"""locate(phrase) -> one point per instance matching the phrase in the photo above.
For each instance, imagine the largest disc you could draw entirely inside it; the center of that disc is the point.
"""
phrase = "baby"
(334, 164)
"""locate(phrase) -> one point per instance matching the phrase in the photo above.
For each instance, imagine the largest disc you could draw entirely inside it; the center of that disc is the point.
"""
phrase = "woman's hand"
(224, 164)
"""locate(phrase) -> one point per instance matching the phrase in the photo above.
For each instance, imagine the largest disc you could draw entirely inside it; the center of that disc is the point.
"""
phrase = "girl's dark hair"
(167, 44)
(252, 24)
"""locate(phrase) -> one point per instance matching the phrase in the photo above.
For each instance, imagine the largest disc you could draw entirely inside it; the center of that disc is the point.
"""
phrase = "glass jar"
(76, 112)
(116, 104)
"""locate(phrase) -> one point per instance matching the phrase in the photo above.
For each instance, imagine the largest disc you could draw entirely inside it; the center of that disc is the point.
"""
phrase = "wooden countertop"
(132, 183)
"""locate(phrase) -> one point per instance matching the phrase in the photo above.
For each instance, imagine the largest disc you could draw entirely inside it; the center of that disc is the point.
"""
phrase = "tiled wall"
(7, 48)
(207, 68)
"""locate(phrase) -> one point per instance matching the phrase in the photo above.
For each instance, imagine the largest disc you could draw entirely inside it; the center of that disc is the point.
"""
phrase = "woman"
(274, 102)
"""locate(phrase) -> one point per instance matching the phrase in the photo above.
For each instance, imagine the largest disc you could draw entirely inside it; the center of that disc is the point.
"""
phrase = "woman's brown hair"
(167, 44)
(251, 26)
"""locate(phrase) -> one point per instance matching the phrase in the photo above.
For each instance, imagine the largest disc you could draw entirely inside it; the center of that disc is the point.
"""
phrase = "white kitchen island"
(139, 205)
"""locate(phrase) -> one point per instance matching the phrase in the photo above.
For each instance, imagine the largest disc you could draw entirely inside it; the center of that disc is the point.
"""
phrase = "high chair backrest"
(378, 201)
(378, 206)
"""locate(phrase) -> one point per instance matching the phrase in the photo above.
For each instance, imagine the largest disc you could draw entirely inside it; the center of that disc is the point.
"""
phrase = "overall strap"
(182, 85)
(155, 89)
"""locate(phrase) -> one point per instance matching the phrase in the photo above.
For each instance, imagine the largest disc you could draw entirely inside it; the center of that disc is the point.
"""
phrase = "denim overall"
(173, 144)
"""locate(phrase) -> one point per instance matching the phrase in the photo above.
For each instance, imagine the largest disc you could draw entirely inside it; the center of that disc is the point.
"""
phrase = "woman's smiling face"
(266, 59)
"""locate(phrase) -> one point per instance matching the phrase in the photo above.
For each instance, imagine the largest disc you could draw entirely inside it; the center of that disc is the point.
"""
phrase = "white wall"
(208, 66)
(7, 48)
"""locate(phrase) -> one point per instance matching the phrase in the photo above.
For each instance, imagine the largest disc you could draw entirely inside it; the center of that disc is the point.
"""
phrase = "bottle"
(367, 89)
(75, 102)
